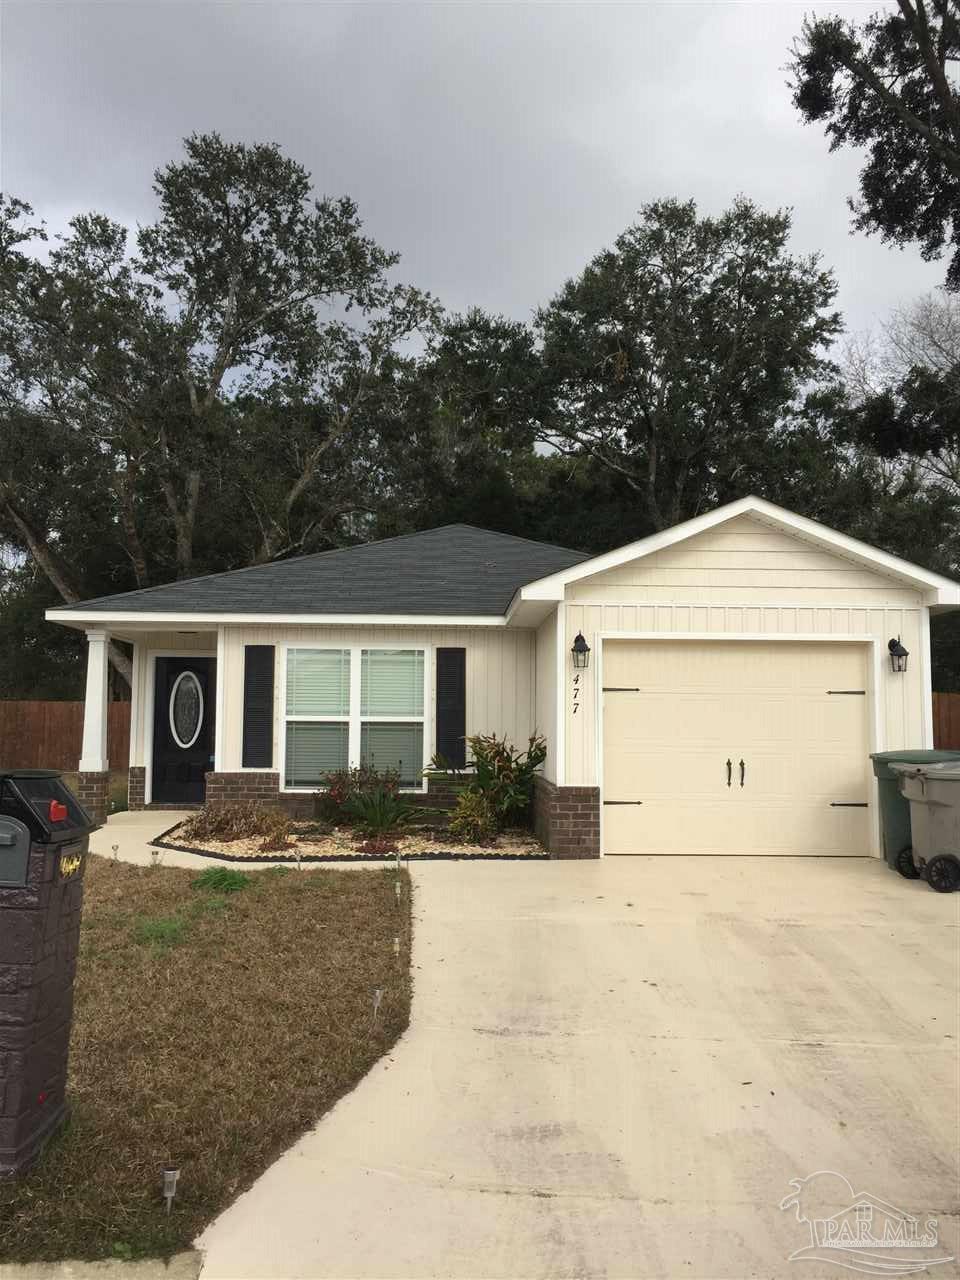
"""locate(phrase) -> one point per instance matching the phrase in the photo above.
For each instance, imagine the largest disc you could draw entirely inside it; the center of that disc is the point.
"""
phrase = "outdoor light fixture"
(898, 655)
(171, 1177)
(581, 652)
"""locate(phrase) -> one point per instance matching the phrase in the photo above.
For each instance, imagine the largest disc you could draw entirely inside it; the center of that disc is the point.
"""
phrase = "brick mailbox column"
(39, 936)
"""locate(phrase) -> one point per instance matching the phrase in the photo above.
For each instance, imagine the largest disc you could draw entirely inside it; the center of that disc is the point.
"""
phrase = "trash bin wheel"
(905, 864)
(943, 873)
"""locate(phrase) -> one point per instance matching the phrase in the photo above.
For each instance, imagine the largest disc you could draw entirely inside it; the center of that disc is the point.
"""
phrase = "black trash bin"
(895, 833)
(44, 835)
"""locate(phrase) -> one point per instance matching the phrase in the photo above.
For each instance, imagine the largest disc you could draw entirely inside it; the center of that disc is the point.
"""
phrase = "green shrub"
(160, 931)
(473, 821)
(221, 880)
(375, 813)
(505, 776)
(440, 767)
(343, 784)
(237, 822)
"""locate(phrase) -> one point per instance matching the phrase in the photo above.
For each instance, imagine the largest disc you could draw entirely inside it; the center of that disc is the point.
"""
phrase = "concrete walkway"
(130, 837)
(616, 1068)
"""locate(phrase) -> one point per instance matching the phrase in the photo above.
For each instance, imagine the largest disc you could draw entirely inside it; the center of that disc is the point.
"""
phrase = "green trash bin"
(895, 834)
(933, 792)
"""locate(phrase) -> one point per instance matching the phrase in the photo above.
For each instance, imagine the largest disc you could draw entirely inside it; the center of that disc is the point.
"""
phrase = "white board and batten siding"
(746, 579)
(546, 692)
(499, 675)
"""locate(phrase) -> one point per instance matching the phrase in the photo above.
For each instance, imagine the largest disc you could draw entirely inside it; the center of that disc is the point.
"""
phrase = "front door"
(182, 729)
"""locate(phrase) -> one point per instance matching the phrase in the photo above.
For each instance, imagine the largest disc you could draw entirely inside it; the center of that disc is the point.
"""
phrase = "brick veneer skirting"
(93, 792)
(264, 788)
(567, 819)
(236, 788)
(136, 787)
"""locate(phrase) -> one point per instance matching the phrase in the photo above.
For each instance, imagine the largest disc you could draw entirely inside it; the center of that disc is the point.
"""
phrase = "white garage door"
(735, 747)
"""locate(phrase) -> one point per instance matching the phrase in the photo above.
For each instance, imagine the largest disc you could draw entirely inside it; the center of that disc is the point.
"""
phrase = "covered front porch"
(174, 718)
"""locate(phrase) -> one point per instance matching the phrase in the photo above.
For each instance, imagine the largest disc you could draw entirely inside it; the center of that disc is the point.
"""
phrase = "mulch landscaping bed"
(341, 845)
(212, 1028)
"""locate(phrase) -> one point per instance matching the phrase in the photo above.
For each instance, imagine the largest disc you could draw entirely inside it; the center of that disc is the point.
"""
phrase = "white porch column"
(136, 708)
(219, 702)
(93, 757)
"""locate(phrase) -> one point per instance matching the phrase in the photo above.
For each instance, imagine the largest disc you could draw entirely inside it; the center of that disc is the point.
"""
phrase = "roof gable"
(789, 525)
(743, 553)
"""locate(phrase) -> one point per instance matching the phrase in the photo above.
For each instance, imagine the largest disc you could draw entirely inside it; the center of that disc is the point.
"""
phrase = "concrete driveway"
(616, 1068)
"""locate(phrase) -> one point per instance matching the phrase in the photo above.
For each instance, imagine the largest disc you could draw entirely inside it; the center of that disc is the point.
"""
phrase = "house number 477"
(576, 693)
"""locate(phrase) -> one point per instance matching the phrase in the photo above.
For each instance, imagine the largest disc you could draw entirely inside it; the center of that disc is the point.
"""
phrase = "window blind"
(318, 682)
(315, 749)
(391, 682)
(394, 745)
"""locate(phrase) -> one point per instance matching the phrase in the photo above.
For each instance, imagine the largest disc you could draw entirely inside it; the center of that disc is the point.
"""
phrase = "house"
(732, 675)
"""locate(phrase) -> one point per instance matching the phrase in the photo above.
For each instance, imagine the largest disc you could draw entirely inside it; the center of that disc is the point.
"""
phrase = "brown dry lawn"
(211, 1029)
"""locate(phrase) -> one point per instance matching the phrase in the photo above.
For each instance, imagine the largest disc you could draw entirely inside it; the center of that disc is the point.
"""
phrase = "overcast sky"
(497, 147)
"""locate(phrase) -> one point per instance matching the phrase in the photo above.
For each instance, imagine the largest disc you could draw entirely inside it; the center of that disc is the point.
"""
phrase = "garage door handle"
(729, 773)
(743, 772)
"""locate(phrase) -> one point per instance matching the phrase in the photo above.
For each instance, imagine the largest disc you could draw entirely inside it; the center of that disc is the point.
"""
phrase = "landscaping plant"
(473, 821)
(342, 785)
(504, 775)
(237, 822)
(378, 812)
(441, 767)
(378, 846)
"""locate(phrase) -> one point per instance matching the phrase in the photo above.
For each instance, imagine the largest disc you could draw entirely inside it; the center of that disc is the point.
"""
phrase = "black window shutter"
(257, 706)
(452, 705)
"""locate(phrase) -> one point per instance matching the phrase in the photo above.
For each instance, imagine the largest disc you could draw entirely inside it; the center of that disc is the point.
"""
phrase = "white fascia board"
(210, 621)
(945, 591)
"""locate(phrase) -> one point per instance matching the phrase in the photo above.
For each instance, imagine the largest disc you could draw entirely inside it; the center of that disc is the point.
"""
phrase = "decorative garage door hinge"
(623, 802)
(616, 689)
(856, 693)
(849, 804)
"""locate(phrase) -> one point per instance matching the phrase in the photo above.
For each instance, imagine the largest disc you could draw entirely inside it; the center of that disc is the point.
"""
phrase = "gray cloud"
(497, 147)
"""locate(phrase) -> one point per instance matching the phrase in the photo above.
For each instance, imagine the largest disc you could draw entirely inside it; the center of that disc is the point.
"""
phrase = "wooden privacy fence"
(946, 721)
(48, 735)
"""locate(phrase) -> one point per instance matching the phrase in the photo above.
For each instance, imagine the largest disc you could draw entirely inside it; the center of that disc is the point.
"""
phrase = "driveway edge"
(182, 1266)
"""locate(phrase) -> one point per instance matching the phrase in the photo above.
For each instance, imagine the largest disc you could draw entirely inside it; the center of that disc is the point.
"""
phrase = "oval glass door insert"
(186, 709)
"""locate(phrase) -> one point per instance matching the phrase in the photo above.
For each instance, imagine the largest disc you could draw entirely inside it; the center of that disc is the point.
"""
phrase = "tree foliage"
(236, 383)
(675, 352)
(889, 85)
(195, 382)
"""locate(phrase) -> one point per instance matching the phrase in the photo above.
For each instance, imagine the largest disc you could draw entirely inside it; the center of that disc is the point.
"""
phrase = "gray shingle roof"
(453, 570)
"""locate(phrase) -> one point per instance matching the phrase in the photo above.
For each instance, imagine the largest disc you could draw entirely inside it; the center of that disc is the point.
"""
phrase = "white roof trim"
(104, 620)
(552, 587)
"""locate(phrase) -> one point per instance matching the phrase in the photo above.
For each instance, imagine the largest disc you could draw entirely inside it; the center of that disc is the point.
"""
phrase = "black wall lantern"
(581, 652)
(898, 655)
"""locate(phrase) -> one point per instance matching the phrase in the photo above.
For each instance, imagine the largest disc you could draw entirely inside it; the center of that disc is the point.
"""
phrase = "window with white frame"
(350, 706)
(318, 714)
